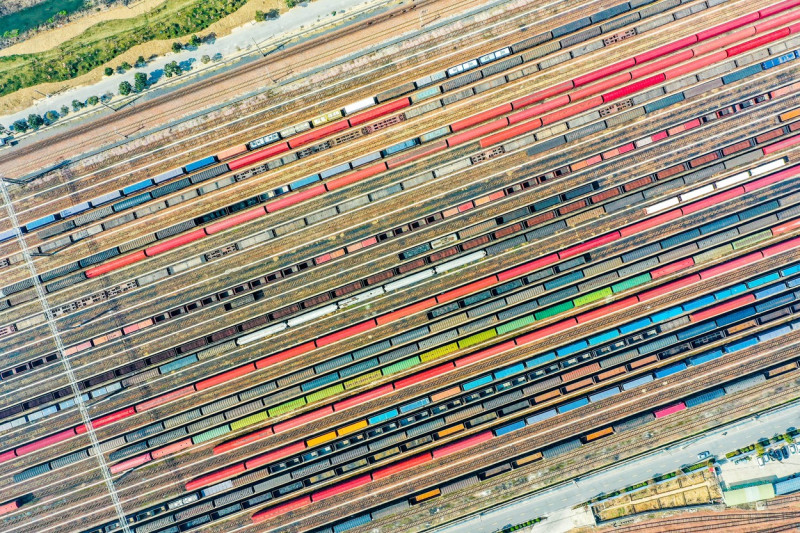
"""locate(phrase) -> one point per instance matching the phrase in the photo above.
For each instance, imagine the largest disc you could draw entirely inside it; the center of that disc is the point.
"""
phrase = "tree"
(76, 105)
(92, 100)
(51, 116)
(125, 88)
(177, 47)
(140, 62)
(290, 3)
(35, 121)
(205, 59)
(759, 449)
(269, 15)
(172, 68)
(20, 126)
(109, 71)
(125, 65)
(64, 111)
(195, 40)
(140, 81)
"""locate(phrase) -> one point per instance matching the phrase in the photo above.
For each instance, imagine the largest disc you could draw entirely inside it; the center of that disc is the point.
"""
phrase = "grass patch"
(107, 40)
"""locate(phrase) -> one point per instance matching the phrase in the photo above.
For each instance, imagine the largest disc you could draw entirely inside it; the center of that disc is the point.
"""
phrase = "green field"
(106, 40)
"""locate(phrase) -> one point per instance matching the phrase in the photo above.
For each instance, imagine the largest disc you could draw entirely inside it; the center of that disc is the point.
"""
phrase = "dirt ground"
(21, 99)
(697, 488)
(728, 521)
(697, 496)
(52, 38)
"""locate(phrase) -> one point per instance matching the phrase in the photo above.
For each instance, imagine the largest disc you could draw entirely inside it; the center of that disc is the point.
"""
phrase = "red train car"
(358, 399)
(341, 487)
(462, 444)
(275, 455)
(258, 155)
(283, 508)
(219, 475)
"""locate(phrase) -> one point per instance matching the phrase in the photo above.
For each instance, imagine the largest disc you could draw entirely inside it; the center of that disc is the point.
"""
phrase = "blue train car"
(201, 163)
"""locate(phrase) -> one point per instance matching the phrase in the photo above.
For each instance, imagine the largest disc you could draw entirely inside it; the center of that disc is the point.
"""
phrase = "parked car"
(760, 461)
(785, 452)
(793, 448)
(703, 455)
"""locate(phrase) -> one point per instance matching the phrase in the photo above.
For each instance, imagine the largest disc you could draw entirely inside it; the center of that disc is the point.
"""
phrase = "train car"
(419, 498)
(200, 163)
(670, 409)
(358, 106)
(463, 67)
(9, 507)
(264, 141)
(536, 456)
(44, 221)
(327, 117)
(169, 174)
(130, 189)
(494, 56)
(598, 434)
(232, 152)
(75, 209)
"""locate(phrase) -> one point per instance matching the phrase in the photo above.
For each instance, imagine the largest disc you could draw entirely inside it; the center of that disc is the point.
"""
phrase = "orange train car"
(598, 434)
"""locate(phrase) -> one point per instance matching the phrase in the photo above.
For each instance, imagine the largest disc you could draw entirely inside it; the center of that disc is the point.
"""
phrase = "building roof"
(787, 486)
(755, 493)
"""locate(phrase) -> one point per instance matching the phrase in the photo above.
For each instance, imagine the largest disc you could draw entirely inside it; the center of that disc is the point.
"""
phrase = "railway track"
(71, 486)
(129, 115)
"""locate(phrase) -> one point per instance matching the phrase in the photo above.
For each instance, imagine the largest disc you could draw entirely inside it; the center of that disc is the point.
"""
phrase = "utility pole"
(259, 48)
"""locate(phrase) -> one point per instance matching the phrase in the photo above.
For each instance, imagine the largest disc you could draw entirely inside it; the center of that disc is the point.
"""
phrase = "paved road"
(242, 39)
(718, 442)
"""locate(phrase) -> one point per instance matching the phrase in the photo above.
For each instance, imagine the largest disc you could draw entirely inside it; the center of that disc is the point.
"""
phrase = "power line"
(65, 361)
